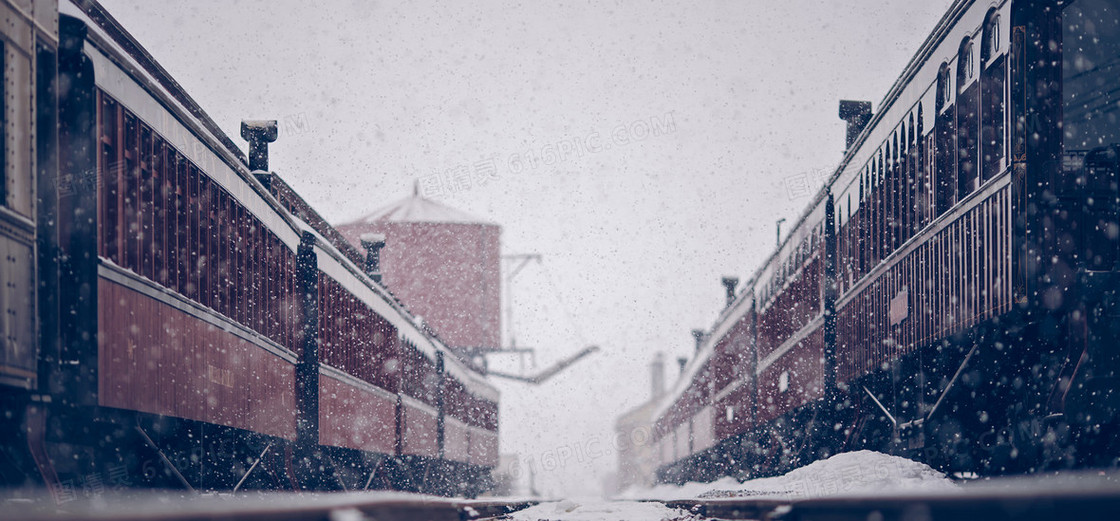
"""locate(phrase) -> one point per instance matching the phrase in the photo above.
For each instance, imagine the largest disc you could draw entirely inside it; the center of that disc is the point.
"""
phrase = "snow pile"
(598, 510)
(850, 473)
(692, 489)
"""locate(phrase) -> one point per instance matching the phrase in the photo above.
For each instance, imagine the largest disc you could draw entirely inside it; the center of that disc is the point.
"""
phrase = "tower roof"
(417, 208)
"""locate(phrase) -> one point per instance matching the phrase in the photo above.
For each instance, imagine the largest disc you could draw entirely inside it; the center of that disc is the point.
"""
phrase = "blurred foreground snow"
(860, 472)
(601, 510)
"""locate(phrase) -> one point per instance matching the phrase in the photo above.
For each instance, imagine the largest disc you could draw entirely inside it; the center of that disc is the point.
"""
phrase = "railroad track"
(277, 506)
(1055, 498)
(1094, 502)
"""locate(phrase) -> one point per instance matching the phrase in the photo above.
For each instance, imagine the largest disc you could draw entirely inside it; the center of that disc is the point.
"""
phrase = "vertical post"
(440, 414)
(307, 370)
(76, 382)
(46, 174)
(829, 300)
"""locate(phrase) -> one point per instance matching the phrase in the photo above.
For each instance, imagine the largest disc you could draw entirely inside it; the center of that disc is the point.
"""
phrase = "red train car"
(206, 328)
(950, 295)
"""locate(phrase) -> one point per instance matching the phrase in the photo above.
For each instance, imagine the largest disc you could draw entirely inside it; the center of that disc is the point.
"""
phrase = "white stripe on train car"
(108, 270)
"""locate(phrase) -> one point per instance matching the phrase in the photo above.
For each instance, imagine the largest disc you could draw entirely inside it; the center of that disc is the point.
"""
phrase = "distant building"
(444, 265)
(506, 476)
(636, 458)
(637, 462)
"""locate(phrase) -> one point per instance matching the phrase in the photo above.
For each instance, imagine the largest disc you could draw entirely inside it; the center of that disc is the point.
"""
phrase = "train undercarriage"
(81, 451)
(1017, 394)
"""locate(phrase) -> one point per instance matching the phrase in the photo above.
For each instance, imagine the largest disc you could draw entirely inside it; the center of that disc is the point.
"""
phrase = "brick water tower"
(444, 265)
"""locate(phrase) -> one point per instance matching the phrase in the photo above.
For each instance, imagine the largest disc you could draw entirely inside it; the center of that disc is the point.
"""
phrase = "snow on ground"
(601, 510)
(848, 473)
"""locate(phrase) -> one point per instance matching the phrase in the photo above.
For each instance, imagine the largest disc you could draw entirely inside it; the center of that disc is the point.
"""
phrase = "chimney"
(682, 361)
(857, 114)
(259, 134)
(373, 242)
(657, 376)
(729, 284)
(698, 334)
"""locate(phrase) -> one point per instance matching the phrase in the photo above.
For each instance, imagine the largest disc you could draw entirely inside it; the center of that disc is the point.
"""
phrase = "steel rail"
(1026, 504)
(382, 506)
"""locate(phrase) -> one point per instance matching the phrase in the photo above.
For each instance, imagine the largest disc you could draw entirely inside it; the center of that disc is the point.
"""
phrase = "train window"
(911, 179)
(923, 172)
(159, 195)
(968, 132)
(877, 178)
(1090, 73)
(111, 170)
(863, 183)
(894, 152)
(965, 64)
(131, 194)
(992, 102)
(890, 146)
(944, 92)
(901, 185)
(991, 37)
(144, 203)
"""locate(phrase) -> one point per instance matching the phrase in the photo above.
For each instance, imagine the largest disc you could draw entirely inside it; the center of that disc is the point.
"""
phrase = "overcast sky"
(635, 227)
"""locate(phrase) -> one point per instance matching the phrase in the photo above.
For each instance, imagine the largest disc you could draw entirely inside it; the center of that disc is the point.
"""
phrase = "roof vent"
(698, 334)
(373, 242)
(259, 134)
(857, 114)
(729, 284)
(657, 376)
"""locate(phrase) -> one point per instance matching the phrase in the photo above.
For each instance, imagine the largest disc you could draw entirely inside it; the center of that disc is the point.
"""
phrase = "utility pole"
(519, 261)
(779, 241)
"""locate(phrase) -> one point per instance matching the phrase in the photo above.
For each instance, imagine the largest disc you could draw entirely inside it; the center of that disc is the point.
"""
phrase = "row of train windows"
(914, 177)
(903, 142)
(962, 130)
(165, 219)
(916, 198)
(990, 49)
(420, 379)
(461, 404)
(354, 339)
(791, 265)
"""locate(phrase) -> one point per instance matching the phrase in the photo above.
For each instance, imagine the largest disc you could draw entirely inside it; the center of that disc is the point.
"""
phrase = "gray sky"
(374, 96)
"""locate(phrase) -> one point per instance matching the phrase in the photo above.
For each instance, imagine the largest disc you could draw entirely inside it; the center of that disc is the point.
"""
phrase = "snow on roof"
(417, 208)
